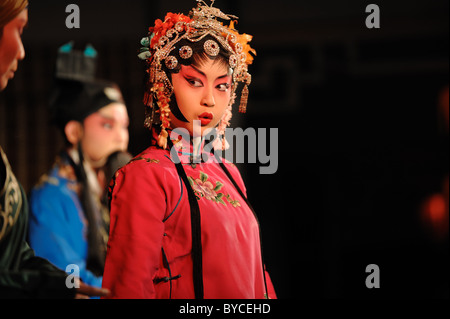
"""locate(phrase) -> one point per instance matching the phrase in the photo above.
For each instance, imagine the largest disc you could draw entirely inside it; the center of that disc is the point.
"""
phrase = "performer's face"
(202, 93)
(105, 132)
(11, 47)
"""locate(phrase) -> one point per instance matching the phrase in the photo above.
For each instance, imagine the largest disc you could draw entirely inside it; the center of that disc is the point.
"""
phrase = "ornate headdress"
(159, 49)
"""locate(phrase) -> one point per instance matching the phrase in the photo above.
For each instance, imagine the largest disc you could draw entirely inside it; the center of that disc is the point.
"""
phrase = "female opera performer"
(181, 225)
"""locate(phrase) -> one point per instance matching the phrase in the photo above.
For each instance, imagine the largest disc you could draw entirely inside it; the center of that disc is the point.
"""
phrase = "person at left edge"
(22, 274)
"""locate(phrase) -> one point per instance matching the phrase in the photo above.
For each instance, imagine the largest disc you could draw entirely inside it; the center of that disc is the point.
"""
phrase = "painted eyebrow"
(202, 73)
(107, 117)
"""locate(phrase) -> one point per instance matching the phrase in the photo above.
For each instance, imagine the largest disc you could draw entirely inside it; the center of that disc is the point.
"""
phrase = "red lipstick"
(205, 118)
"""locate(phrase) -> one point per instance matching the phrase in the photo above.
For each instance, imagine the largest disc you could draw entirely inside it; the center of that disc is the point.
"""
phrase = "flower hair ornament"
(174, 37)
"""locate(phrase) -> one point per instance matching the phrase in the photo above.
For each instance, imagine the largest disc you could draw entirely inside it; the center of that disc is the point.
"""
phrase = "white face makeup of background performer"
(105, 132)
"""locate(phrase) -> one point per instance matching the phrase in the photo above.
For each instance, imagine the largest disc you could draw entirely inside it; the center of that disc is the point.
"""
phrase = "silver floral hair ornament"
(159, 47)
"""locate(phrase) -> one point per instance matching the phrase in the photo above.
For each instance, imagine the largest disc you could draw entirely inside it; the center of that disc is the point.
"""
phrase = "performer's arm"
(136, 231)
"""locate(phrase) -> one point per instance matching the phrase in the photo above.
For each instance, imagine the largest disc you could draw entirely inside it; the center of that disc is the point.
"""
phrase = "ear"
(73, 131)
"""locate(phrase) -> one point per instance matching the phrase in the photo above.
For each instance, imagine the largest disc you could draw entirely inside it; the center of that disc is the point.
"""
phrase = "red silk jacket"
(149, 248)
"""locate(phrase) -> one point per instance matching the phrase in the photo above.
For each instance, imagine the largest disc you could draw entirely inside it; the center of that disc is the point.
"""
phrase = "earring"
(244, 99)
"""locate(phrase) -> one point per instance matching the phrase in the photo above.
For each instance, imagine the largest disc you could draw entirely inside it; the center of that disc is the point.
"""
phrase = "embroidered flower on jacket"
(206, 189)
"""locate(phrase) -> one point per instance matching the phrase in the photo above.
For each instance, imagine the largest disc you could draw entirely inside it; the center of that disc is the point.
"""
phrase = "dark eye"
(223, 87)
(107, 126)
(194, 82)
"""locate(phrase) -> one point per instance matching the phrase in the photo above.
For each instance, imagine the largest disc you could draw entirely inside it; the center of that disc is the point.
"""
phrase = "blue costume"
(58, 227)
(68, 218)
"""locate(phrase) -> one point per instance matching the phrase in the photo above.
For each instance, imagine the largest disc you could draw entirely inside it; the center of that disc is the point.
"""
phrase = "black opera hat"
(76, 93)
(75, 100)
(74, 63)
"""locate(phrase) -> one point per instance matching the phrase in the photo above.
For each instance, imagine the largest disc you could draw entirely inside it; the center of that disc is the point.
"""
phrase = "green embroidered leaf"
(218, 186)
(203, 177)
(191, 181)
(219, 200)
(235, 203)
(220, 195)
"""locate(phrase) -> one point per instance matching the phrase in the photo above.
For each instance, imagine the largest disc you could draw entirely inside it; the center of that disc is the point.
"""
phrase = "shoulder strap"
(196, 225)
(230, 177)
(196, 230)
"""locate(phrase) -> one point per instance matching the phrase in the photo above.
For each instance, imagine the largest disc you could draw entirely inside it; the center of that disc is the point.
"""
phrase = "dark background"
(362, 143)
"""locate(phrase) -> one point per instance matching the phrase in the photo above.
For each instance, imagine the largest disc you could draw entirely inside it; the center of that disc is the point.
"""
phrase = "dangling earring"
(164, 112)
(162, 138)
(244, 99)
(149, 109)
(220, 143)
(244, 95)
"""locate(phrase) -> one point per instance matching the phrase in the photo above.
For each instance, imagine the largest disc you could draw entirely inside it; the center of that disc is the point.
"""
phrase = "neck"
(188, 145)
(74, 153)
(197, 145)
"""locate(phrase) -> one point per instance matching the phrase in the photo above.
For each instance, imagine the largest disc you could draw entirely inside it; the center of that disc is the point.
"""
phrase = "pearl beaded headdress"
(162, 42)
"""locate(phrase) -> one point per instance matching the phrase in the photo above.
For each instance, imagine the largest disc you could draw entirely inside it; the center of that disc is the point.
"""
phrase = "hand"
(85, 291)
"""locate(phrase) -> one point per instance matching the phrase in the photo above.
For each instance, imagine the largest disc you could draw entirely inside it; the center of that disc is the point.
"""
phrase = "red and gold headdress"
(159, 48)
